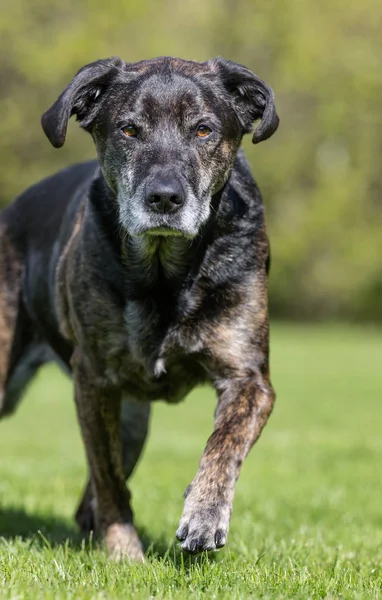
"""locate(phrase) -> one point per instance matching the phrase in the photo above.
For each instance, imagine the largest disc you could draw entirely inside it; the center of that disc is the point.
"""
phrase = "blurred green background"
(320, 174)
(307, 521)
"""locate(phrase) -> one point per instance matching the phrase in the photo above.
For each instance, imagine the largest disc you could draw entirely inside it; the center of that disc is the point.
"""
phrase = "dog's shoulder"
(40, 222)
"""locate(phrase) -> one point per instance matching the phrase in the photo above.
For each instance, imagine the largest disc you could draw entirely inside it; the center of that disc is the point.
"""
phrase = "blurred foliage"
(320, 174)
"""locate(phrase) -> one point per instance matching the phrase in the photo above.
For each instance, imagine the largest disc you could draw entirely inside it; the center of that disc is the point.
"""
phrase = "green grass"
(307, 520)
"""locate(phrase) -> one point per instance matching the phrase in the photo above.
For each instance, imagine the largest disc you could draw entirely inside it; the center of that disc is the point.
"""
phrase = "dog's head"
(166, 131)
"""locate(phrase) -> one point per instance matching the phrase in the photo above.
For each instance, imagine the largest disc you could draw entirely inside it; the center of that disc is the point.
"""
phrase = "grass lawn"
(307, 520)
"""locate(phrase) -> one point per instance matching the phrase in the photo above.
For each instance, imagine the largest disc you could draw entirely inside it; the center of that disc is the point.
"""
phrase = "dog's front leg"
(99, 410)
(243, 409)
(134, 428)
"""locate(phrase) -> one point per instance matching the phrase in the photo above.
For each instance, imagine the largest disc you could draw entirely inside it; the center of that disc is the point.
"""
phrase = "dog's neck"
(158, 257)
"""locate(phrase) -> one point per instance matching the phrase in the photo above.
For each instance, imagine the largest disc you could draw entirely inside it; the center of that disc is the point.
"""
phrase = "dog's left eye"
(203, 131)
(129, 131)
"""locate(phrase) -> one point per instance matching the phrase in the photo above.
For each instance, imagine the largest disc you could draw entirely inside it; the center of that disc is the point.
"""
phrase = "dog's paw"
(122, 542)
(203, 527)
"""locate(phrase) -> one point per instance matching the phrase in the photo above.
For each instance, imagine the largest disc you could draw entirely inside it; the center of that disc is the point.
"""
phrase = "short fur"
(145, 274)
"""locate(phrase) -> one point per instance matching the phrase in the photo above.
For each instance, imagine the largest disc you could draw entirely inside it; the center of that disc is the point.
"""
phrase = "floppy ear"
(253, 98)
(81, 97)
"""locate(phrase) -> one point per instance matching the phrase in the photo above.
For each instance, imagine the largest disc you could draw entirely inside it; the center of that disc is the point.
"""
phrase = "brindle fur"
(143, 305)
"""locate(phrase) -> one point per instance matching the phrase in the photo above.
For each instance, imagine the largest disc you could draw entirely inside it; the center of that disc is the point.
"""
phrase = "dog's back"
(33, 219)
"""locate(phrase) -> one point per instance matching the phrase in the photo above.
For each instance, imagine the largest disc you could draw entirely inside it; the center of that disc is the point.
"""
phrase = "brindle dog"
(144, 275)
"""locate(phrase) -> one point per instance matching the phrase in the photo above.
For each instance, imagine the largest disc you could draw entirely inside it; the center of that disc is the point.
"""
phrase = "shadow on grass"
(16, 523)
(43, 530)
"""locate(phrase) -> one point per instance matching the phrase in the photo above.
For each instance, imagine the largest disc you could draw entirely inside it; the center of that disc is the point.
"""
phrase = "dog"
(144, 274)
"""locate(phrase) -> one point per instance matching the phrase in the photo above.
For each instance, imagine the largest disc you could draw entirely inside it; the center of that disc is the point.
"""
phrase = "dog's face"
(166, 131)
(166, 140)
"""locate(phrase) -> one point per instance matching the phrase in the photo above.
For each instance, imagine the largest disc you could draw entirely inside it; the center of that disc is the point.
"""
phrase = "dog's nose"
(164, 195)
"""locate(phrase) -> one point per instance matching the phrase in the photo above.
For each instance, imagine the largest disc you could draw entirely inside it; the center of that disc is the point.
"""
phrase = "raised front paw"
(203, 527)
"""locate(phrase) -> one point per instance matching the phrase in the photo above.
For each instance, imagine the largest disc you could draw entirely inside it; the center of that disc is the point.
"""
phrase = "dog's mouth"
(164, 231)
(166, 226)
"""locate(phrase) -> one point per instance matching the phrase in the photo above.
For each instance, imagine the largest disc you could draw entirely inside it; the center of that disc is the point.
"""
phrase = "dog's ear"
(82, 97)
(253, 98)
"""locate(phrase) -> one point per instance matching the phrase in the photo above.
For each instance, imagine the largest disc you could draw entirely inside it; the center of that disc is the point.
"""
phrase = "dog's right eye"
(203, 131)
(129, 131)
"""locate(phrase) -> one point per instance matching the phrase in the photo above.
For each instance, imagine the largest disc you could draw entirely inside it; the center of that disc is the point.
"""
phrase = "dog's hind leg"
(135, 418)
(21, 349)
(10, 287)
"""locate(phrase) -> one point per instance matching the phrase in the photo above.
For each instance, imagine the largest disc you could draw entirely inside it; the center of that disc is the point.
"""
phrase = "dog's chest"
(145, 355)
